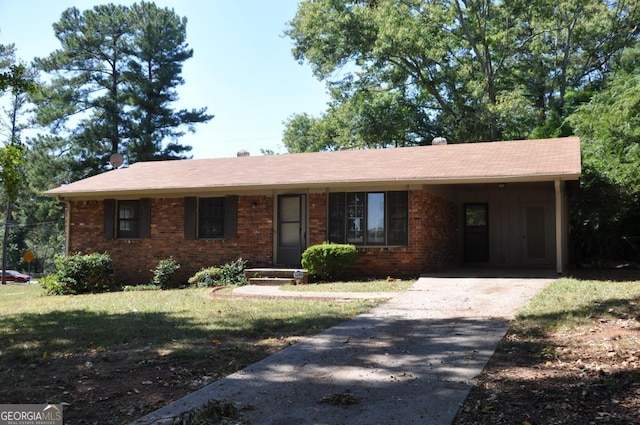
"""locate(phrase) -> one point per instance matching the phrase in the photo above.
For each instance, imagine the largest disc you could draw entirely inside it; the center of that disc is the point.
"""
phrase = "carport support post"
(560, 236)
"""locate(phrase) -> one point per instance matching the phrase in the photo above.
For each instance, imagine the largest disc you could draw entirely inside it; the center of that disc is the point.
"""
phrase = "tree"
(158, 50)
(465, 69)
(11, 158)
(609, 127)
(116, 75)
(300, 134)
(31, 220)
(7, 58)
(18, 80)
(87, 79)
(15, 81)
(46, 165)
(368, 119)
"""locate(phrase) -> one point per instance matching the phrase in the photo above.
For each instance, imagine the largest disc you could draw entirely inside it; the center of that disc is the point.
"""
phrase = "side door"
(476, 233)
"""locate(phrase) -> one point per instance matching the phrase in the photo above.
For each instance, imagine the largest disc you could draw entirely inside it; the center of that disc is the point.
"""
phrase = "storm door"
(292, 228)
(476, 233)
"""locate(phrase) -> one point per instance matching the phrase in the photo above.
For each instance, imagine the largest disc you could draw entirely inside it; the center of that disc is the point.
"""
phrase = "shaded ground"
(565, 378)
(117, 386)
(582, 376)
(587, 376)
(410, 360)
(165, 356)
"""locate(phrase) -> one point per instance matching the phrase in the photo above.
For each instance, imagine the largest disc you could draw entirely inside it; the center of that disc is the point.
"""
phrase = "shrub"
(78, 274)
(163, 273)
(51, 285)
(328, 261)
(207, 277)
(228, 274)
(233, 273)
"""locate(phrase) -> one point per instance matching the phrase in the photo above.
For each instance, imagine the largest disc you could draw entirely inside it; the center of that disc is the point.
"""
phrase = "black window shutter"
(145, 218)
(337, 218)
(231, 216)
(109, 217)
(190, 208)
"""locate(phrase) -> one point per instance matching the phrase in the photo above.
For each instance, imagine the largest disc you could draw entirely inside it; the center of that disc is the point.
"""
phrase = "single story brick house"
(408, 210)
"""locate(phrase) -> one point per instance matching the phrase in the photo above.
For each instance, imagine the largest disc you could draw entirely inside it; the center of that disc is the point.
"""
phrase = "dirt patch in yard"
(120, 385)
(582, 376)
(565, 378)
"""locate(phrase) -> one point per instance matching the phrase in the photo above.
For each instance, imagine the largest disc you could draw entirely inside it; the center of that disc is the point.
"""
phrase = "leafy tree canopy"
(401, 72)
(7, 58)
(607, 209)
(609, 125)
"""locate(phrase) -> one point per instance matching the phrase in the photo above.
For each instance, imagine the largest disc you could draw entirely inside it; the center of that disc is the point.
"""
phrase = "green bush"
(79, 274)
(328, 261)
(163, 274)
(207, 277)
(228, 274)
(51, 285)
(233, 273)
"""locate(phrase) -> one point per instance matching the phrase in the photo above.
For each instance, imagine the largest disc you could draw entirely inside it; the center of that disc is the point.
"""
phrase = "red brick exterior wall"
(432, 238)
(134, 258)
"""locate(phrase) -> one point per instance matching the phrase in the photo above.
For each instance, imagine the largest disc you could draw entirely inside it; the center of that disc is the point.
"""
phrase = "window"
(210, 218)
(368, 218)
(375, 218)
(355, 218)
(475, 214)
(128, 219)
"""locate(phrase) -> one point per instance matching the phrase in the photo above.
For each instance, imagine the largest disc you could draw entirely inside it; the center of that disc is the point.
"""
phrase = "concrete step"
(273, 281)
(276, 273)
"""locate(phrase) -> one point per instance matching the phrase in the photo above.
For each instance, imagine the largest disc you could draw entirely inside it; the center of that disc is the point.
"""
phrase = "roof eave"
(61, 195)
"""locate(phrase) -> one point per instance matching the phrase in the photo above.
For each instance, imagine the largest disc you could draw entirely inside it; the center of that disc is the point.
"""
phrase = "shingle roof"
(523, 160)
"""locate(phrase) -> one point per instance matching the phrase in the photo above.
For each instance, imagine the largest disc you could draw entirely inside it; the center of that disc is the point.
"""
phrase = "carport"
(514, 224)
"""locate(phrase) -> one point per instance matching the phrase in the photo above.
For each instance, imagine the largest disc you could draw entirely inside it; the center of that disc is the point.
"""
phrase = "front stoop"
(277, 277)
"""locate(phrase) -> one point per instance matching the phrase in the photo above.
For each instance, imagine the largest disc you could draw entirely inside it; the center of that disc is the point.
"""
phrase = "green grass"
(571, 303)
(364, 286)
(183, 322)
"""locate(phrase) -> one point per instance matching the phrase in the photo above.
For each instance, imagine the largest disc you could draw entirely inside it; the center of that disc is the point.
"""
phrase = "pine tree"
(113, 81)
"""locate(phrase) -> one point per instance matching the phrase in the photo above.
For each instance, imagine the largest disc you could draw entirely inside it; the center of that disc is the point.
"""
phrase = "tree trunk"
(5, 243)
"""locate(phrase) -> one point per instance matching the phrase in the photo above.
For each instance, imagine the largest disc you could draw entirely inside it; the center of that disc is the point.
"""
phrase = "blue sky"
(242, 69)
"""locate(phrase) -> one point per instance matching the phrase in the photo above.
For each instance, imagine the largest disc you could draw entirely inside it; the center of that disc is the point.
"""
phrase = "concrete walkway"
(275, 291)
(412, 360)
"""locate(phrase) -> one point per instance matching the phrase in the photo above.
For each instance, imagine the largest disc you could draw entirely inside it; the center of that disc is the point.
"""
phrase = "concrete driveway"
(412, 360)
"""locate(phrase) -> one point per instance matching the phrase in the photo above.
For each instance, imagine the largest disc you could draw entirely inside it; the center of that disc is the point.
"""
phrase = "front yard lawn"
(117, 356)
